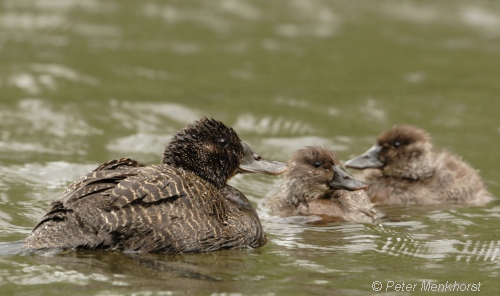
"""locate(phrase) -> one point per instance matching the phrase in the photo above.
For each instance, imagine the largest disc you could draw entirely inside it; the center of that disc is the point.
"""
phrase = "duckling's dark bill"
(369, 159)
(343, 180)
(252, 162)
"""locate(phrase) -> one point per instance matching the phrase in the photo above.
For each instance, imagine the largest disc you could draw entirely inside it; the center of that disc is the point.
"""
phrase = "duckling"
(403, 168)
(316, 184)
(182, 205)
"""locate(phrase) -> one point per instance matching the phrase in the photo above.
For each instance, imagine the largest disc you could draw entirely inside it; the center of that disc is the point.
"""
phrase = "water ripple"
(51, 175)
(271, 125)
(35, 116)
(132, 115)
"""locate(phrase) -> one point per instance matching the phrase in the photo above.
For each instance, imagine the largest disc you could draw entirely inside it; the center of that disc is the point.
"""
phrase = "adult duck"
(181, 205)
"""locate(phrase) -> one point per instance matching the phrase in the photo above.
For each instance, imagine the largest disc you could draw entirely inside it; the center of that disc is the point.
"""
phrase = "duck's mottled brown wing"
(98, 180)
(100, 173)
(137, 184)
(119, 164)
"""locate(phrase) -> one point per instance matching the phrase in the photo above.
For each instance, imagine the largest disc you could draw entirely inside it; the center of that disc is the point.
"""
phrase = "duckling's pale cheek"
(383, 158)
(325, 187)
(309, 173)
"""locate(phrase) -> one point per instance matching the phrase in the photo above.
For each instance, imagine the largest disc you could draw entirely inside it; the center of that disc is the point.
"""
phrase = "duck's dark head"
(214, 152)
(315, 171)
(402, 150)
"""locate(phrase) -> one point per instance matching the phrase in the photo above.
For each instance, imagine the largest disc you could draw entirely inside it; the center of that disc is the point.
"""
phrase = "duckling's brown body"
(316, 184)
(124, 205)
(343, 206)
(403, 169)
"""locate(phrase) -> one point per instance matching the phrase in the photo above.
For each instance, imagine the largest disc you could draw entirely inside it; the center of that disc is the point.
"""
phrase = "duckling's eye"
(396, 144)
(223, 142)
(317, 164)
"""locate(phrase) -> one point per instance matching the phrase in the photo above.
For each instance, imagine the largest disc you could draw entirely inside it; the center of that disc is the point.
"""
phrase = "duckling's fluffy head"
(402, 151)
(313, 166)
(403, 143)
(316, 172)
(207, 148)
(402, 135)
(406, 151)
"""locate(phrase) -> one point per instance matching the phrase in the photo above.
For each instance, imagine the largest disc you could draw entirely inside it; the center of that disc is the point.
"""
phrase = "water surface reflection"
(87, 81)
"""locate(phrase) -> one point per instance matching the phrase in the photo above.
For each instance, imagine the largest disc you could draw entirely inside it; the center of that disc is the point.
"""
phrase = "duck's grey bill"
(343, 180)
(254, 163)
(369, 159)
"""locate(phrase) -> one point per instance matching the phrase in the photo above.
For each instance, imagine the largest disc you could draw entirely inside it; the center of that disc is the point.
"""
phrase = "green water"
(86, 81)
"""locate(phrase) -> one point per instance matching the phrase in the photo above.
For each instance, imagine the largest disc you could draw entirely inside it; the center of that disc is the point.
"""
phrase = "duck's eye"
(223, 142)
(396, 144)
(317, 164)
